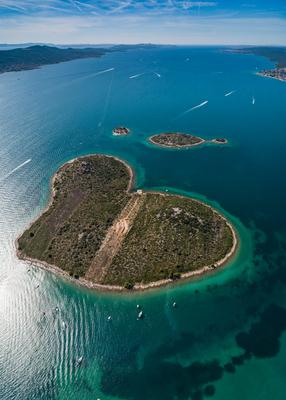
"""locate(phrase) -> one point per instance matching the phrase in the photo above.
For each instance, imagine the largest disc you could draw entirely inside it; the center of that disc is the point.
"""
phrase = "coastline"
(138, 286)
(270, 77)
(186, 146)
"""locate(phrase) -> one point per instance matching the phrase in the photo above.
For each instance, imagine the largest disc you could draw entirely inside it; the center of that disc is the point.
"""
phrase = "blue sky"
(156, 21)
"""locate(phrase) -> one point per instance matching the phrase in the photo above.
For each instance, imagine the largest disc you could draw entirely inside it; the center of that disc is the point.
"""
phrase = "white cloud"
(103, 6)
(190, 4)
(141, 28)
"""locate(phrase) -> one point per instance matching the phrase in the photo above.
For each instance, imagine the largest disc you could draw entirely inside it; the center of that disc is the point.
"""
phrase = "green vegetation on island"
(171, 235)
(88, 195)
(36, 56)
(121, 131)
(181, 140)
(97, 230)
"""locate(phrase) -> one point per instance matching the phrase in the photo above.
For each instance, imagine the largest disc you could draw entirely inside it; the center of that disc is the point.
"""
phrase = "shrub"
(129, 285)
(175, 275)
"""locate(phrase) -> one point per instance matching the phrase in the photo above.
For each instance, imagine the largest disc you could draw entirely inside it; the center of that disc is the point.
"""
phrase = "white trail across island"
(229, 93)
(16, 169)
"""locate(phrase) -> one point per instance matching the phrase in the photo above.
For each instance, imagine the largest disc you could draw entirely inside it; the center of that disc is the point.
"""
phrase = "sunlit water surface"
(226, 338)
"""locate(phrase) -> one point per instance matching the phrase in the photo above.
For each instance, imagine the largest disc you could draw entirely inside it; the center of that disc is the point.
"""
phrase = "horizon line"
(143, 44)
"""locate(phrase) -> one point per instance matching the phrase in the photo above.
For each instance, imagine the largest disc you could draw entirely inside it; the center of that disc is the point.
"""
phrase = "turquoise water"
(226, 339)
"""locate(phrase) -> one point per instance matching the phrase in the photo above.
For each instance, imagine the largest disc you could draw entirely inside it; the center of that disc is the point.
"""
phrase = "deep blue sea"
(226, 338)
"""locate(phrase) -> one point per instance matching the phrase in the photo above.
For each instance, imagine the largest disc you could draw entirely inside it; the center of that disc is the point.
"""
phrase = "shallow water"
(196, 350)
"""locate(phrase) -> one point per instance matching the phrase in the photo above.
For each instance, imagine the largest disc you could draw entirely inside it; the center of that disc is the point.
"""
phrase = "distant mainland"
(275, 54)
(31, 57)
(100, 233)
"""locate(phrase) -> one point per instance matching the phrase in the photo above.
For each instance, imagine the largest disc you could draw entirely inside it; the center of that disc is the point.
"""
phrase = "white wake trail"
(82, 78)
(229, 93)
(16, 169)
(107, 100)
(195, 107)
(192, 109)
(103, 72)
(136, 76)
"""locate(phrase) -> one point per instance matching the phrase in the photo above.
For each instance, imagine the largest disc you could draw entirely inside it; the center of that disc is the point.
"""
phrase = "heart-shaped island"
(99, 232)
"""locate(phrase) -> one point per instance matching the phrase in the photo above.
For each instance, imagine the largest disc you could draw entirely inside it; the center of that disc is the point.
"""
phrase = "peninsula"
(181, 140)
(100, 233)
(35, 56)
(274, 54)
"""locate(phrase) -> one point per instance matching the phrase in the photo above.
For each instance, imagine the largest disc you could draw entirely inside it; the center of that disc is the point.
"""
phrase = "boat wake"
(229, 93)
(192, 109)
(158, 75)
(196, 107)
(103, 72)
(106, 105)
(16, 169)
(136, 76)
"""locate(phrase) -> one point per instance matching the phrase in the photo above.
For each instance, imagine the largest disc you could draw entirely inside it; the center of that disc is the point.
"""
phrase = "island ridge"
(99, 232)
(181, 140)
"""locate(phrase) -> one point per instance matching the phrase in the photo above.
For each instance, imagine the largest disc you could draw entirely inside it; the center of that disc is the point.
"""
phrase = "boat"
(109, 318)
(253, 100)
(140, 315)
(174, 304)
(80, 359)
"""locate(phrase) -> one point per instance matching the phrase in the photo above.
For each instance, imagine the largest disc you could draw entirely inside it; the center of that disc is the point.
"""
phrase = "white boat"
(140, 315)
(80, 359)
(109, 318)
(253, 100)
(174, 304)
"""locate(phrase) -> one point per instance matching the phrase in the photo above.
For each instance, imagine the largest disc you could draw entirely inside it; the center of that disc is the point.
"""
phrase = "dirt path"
(114, 238)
